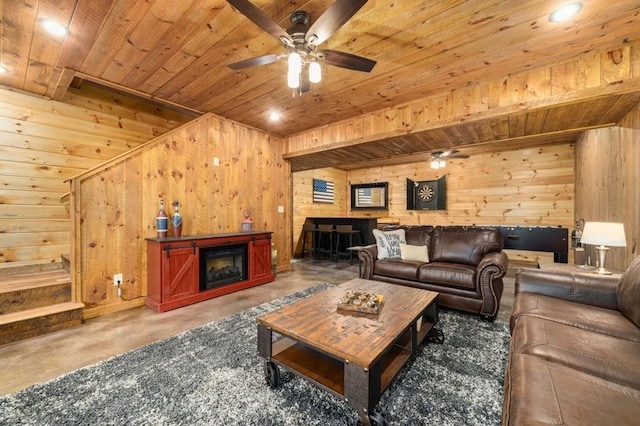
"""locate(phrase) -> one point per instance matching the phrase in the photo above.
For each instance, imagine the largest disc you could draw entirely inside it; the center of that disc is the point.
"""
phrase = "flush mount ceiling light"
(54, 28)
(3, 70)
(565, 12)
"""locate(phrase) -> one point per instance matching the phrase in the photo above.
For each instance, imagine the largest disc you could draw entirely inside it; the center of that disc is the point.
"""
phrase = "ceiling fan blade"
(258, 17)
(443, 155)
(348, 61)
(332, 19)
(253, 62)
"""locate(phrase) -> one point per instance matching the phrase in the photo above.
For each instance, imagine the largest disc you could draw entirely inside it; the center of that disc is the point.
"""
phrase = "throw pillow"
(388, 243)
(418, 253)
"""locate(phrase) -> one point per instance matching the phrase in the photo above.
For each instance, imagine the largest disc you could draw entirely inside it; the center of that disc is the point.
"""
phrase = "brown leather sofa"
(466, 266)
(574, 357)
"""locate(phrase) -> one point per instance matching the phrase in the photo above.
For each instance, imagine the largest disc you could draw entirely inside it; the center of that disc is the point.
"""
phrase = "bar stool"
(324, 231)
(309, 230)
(346, 232)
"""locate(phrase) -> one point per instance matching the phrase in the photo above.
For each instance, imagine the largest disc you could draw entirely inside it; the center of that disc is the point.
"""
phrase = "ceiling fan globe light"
(295, 63)
(315, 72)
(442, 164)
(293, 79)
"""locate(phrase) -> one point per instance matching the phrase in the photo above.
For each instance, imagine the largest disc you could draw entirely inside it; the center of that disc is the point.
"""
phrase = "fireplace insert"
(220, 266)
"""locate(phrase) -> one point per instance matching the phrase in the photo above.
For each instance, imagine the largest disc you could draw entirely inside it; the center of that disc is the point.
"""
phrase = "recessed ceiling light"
(3, 70)
(274, 116)
(565, 12)
(53, 27)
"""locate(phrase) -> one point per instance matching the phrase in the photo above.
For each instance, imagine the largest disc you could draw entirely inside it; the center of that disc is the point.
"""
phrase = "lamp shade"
(604, 234)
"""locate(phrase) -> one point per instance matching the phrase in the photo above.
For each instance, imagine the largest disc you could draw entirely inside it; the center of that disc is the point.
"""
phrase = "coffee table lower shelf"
(359, 386)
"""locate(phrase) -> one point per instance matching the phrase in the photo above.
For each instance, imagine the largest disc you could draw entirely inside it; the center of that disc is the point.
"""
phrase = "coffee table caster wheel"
(272, 374)
(376, 419)
(435, 336)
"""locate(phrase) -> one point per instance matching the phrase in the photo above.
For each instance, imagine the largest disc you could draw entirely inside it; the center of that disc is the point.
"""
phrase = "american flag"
(364, 196)
(322, 191)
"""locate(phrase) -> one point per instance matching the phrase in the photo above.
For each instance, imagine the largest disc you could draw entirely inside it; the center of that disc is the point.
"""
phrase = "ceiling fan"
(438, 158)
(301, 42)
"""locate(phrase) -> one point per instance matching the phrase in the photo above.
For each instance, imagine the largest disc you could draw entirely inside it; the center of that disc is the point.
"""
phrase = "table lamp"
(603, 234)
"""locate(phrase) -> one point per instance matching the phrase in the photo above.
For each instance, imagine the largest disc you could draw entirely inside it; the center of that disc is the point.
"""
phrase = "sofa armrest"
(580, 287)
(489, 272)
(497, 259)
(368, 256)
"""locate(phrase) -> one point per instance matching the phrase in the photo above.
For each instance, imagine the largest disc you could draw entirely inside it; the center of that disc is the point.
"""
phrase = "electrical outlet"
(117, 279)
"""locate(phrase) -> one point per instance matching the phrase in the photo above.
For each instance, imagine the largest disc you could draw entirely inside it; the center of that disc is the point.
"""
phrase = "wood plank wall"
(528, 187)
(608, 182)
(44, 142)
(115, 205)
(303, 205)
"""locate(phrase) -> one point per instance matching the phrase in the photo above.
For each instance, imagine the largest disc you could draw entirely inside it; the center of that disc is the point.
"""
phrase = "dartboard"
(426, 193)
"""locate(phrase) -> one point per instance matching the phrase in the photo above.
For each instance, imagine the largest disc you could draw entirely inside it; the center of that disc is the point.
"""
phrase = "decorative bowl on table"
(360, 301)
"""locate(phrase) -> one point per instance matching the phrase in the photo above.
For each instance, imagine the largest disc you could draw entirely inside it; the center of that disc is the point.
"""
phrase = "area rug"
(211, 375)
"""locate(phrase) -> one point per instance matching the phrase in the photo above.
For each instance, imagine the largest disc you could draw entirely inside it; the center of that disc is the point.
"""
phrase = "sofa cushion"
(388, 243)
(629, 292)
(611, 358)
(397, 268)
(417, 253)
(538, 392)
(448, 274)
(600, 320)
(418, 235)
(466, 245)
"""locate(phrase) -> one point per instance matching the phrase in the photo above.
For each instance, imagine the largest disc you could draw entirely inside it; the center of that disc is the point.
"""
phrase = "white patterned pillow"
(388, 243)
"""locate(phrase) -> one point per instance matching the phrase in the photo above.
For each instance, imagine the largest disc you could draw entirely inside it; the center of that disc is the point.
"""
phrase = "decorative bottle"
(162, 221)
(246, 221)
(176, 220)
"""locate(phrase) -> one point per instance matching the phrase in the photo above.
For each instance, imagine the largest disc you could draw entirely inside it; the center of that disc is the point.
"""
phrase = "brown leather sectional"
(466, 266)
(574, 357)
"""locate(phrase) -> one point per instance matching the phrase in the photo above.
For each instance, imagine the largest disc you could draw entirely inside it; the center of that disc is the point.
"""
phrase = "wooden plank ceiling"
(175, 52)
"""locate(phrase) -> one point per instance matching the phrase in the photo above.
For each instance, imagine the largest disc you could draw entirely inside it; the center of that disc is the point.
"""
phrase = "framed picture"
(370, 196)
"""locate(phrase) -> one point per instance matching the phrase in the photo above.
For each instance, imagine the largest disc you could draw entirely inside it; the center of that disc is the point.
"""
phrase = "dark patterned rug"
(211, 375)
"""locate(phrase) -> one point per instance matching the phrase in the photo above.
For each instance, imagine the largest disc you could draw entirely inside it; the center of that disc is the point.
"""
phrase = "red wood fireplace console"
(186, 270)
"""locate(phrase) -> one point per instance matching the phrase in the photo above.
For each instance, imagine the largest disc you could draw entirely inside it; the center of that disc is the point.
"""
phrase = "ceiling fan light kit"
(438, 158)
(438, 164)
(301, 40)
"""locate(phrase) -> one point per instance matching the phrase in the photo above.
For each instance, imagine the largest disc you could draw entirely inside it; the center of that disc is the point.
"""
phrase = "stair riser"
(37, 326)
(38, 297)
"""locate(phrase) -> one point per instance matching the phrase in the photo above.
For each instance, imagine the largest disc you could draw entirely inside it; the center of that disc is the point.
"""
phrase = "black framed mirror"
(370, 196)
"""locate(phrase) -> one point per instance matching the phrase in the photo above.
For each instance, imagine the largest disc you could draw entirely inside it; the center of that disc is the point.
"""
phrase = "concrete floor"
(46, 357)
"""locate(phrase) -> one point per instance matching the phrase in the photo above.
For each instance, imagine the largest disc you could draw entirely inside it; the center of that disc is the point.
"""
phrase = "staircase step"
(66, 262)
(35, 322)
(8, 269)
(34, 290)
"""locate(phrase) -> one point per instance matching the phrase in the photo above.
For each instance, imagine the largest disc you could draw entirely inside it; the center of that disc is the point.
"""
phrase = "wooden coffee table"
(354, 355)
